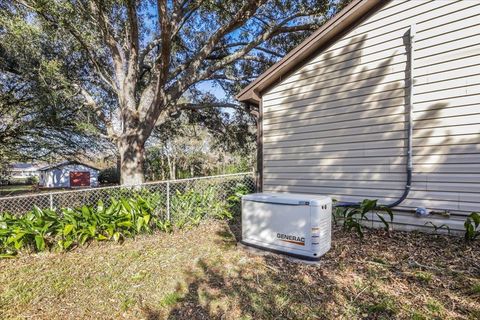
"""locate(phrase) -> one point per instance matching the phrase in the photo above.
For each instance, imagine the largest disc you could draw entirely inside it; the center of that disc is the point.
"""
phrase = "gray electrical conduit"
(408, 184)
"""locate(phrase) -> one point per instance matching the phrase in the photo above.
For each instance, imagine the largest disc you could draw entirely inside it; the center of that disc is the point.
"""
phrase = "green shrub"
(33, 180)
(41, 230)
(189, 207)
(109, 176)
(352, 217)
(235, 199)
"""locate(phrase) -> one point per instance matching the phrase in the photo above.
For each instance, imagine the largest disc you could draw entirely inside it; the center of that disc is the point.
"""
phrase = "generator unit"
(294, 224)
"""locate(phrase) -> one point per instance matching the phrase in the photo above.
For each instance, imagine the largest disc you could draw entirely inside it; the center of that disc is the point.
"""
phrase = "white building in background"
(22, 171)
(68, 174)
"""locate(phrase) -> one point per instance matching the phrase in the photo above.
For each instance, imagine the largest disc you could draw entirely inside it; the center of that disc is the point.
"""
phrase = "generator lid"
(288, 198)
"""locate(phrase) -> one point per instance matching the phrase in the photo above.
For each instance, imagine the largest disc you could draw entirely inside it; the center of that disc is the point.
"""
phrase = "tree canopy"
(119, 69)
(40, 115)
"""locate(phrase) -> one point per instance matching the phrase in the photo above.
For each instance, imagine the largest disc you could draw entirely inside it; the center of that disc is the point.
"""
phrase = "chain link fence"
(170, 196)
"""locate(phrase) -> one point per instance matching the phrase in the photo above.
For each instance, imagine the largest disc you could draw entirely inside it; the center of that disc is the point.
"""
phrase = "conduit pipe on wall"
(409, 171)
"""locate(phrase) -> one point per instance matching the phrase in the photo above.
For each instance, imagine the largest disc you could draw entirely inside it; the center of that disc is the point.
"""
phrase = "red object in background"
(79, 179)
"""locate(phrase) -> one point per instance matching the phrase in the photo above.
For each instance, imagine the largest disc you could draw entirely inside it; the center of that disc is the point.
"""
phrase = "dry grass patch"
(201, 274)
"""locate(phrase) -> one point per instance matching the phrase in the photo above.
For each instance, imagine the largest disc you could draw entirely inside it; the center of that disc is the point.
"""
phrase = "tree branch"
(134, 45)
(118, 56)
(305, 27)
(182, 17)
(199, 106)
(267, 34)
(92, 104)
(247, 10)
(149, 47)
(165, 49)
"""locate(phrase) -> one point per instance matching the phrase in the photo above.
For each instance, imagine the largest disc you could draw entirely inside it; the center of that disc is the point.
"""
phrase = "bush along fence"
(64, 220)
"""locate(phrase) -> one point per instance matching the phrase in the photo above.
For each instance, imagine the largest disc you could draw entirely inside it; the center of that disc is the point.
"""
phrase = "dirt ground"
(201, 273)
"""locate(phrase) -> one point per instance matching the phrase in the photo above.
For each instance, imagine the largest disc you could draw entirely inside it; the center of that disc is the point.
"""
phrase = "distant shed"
(20, 172)
(68, 174)
(382, 80)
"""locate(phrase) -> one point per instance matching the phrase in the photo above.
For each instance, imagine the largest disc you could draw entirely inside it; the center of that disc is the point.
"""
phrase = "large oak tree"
(131, 61)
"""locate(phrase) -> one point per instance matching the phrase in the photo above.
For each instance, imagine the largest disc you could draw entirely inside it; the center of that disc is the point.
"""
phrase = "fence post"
(168, 200)
(51, 201)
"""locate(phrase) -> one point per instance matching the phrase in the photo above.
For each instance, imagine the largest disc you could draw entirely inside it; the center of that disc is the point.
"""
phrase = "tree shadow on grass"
(252, 287)
(250, 293)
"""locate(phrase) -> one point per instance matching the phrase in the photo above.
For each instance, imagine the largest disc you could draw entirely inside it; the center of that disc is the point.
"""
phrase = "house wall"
(60, 177)
(337, 125)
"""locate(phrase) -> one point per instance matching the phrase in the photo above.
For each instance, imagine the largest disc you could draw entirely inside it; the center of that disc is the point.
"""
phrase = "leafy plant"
(40, 230)
(472, 224)
(191, 206)
(353, 216)
(33, 180)
(163, 225)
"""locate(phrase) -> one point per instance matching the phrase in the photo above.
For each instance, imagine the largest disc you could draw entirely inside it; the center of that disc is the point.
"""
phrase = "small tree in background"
(200, 143)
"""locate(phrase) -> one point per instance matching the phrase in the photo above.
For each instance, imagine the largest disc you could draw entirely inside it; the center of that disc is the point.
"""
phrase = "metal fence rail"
(168, 194)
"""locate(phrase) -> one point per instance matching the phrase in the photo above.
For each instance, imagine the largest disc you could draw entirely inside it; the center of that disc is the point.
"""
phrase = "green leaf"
(387, 227)
(66, 244)
(125, 224)
(101, 237)
(109, 231)
(83, 238)
(92, 230)
(16, 237)
(100, 206)
(67, 229)
(359, 229)
(475, 216)
(40, 242)
(139, 224)
(18, 244)
(146, 218)
(126, 205)
(368, 205)
(388, 211)
(116, 236)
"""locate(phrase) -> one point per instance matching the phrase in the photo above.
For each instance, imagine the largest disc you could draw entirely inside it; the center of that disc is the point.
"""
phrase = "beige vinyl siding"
(337, 125)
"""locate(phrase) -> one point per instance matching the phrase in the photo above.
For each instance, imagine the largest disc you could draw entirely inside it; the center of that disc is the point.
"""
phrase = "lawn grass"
(16, 189)
(202, 274)
(24, 189)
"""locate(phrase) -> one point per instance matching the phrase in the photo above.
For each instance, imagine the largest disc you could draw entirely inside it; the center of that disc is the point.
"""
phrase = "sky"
(210, 87)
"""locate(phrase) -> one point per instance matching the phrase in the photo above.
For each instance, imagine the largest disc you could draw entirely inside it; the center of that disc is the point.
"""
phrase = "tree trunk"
(132, 156)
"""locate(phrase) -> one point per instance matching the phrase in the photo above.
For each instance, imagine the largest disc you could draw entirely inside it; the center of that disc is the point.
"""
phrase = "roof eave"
(341, 21)
(64, 163)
